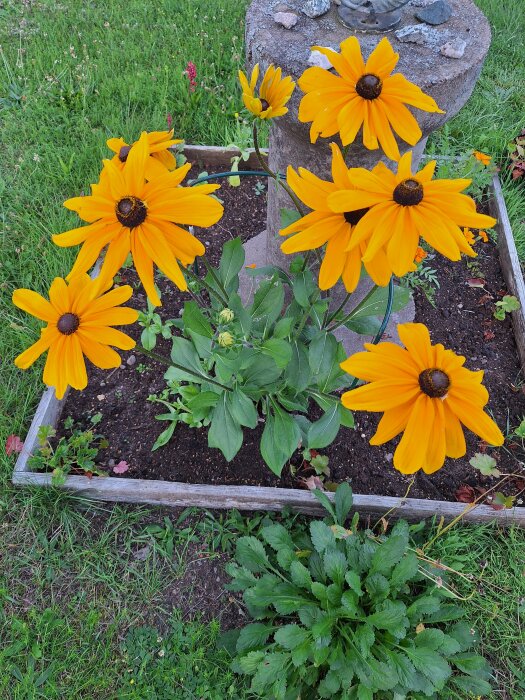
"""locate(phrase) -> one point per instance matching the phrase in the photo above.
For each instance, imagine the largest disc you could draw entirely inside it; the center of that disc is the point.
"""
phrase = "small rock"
(421, 34)
(281, 7)
(101, 397)
(437, 13)
(421, 3)
(315, 8)
(122, 367)
(111, 462)
(316, 58)
(389, 456)
(131, 360)
(286, 19)
(453, 49)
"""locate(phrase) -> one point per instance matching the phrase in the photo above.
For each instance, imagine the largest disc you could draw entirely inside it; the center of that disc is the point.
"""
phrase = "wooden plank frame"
(175, 494)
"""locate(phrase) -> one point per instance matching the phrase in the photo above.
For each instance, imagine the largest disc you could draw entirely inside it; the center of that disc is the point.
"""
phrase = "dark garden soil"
(462, 319)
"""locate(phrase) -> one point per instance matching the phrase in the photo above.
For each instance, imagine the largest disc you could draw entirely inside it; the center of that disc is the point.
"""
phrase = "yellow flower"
(274, 93)
(405, 206)
(421, 254)
(482, 157)
(131, 214)
(160, 160)
(469, 236)
(423, 391)
(79, 317)
(225, 339)
(324, 225)
(362, 95)
(226, 316)
(484, 236)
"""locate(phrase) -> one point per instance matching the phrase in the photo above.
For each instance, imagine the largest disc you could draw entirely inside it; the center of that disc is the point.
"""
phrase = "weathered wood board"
(167, 493)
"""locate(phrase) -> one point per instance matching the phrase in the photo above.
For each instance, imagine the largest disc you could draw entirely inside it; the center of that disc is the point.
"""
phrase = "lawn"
(77, 584)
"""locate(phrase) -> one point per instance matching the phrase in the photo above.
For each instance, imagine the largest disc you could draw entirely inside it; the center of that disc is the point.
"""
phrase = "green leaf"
(508, 303)
(250, 553)
(148, 338)
(291, 636)
(324, 431)
(183, 352)
(405, 570)
(253, 636)
(300, 575)
(471, 664)
(445, 613)
(389, 553)
(298, 373)
(242, 408)
(250, 663)
(354, 581)
(232, 260)
(366, 325)
(377, 586)
(288, 216)
(472, 685)
(283, 327)
(404, 668)
(277, 536)
(431, 638)
(322, 536)
(325, 502)
(200, 404)
(269, 669)
(280, 439)
(425, 605)
(194, 320)
(364, 638)
(375, 305)
(260, 371)
(303, 287)
(485, 464)
(322, 356)
(279, 350)
(335, 565)
(165, 436)
(343, 502)
(391, 617)
(225, 432)
(268, 301)
(465, 635)
(241, 314)
(430, 664)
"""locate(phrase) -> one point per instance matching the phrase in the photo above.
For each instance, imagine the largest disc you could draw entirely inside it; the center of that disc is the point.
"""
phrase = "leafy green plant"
(424, 278)
(506, 306)
(265, 361)
(187, 406)
(154, 326)
(184, 663)
(77, 451)
(342, 613)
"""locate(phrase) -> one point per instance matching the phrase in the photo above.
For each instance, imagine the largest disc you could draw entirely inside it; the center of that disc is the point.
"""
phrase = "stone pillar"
(445, 61)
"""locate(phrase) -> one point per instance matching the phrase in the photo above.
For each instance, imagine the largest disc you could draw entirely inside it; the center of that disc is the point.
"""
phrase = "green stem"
(209, 289)
(169, 363)
(348, 316)
(216, 279)
(305, 317)
(341, 306)
(271, 173)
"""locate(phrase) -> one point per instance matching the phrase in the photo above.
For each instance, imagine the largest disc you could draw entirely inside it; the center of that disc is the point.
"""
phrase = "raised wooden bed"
(168, 493)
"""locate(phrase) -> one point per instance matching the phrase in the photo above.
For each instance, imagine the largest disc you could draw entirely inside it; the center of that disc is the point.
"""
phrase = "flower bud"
(225, 339)
(226, 316)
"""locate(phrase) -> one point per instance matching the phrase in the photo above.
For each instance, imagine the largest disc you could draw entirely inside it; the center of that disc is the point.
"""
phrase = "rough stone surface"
(437, 13)
(316, 58)
(453, 49)
(422, 35)
(421, 3)
(287, 19)
(315, 8)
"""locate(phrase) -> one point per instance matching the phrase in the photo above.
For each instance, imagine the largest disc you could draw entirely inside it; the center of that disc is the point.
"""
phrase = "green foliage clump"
(344, 614)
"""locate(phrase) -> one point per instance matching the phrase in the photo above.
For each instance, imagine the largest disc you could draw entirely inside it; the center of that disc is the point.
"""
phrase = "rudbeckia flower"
(424, 392)
(132, 215)
(362, 95)
(324, 225)
(405, 206)
(274, 93)
(482, 157)
(160, 160)
(79, 320)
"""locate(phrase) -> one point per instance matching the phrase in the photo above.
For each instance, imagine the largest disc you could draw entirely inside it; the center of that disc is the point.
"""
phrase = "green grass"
(71, 585)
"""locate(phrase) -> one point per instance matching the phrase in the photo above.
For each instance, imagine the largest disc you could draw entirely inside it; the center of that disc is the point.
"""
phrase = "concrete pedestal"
(449, 81)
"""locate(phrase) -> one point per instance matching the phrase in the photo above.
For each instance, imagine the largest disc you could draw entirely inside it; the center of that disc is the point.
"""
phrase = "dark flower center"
(408, 193)
(264, 105)
(434, 383)
(353, 217)
(68, 323)
(369, 86)
(131, 211)
(124, 153)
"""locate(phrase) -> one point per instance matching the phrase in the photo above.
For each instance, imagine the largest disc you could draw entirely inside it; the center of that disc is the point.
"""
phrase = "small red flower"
(191, 72)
